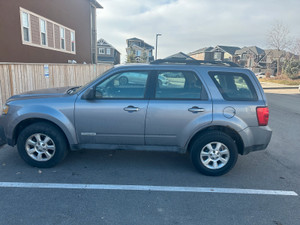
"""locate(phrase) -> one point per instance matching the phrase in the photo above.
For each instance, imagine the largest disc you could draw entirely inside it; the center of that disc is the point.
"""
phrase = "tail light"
(262, 115)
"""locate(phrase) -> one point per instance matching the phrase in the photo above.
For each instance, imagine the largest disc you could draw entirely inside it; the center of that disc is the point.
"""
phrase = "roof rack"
(194, 62)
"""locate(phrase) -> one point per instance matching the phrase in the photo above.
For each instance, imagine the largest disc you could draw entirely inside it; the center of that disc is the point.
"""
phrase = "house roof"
(180, 55)
(143, 43)
(96, 4)
(230, 49)
(254, 49)
(201, 50)
(102, 42)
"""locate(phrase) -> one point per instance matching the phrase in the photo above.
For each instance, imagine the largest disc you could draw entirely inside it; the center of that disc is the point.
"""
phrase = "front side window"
(108, 51)
(179, 85)
(125, 85)
(62, 38)
(25, 25)
(43, 32)
(234, 86)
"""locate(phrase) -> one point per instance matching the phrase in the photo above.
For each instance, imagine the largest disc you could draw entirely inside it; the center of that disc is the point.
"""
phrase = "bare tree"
(296, 47)
(278, 38)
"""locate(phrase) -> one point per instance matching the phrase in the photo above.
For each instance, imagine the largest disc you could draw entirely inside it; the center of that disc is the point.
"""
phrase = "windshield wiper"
(72, 90)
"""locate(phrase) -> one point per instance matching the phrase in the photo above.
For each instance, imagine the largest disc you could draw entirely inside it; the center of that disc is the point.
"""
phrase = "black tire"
(214, 153)
(56, 140)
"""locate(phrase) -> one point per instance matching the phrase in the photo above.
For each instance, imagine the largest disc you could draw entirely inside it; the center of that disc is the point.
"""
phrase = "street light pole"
(156, 45)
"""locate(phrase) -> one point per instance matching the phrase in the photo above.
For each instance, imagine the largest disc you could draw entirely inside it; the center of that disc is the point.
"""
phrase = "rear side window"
(179, 85)
(234, 86)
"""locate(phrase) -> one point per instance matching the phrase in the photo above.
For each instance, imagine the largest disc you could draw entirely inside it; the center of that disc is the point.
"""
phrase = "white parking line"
(146, 188)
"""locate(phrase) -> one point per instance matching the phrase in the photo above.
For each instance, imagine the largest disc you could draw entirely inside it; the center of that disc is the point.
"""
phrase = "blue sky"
(187, 25)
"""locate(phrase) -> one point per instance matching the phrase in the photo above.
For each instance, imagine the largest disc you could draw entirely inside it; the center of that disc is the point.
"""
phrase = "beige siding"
(227, 56)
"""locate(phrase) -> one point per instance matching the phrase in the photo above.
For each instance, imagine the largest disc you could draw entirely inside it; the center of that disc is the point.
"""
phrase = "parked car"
(138, 79)
(214, 111)
(260, 75)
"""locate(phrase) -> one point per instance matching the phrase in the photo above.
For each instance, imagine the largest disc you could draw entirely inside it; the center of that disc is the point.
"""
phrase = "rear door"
(179, 106)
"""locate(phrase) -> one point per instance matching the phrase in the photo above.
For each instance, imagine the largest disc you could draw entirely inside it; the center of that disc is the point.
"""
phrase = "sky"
(188, 25)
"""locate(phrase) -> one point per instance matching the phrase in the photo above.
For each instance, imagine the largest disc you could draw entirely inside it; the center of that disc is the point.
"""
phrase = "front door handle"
(131, 108)
(196, 109)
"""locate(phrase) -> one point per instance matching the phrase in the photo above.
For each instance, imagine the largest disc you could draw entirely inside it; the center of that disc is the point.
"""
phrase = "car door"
(177, 109)
(117, 113)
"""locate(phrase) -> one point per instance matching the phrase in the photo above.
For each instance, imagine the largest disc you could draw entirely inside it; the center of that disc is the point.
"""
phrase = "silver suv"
(212, 110)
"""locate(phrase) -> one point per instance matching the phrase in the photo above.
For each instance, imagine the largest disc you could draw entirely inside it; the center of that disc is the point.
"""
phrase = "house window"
(39, 31)
(62, 38)
(101, 51)
(108, 51)
(72, 41)
(138, 53)
(218, 56)
(25, 24)
(43, 32)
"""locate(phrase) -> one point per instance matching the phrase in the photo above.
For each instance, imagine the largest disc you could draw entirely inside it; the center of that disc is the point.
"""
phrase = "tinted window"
(234, 86)
(179, 85)
(123, 85)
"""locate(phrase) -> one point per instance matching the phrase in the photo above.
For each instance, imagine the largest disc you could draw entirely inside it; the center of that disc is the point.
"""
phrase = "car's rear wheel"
(214, 153)
(42, 145)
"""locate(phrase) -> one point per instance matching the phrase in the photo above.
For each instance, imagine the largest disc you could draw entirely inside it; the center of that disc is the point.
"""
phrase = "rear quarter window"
(234, 86)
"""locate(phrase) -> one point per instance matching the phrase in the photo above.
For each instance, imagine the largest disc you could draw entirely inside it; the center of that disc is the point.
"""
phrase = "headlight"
(5, 109)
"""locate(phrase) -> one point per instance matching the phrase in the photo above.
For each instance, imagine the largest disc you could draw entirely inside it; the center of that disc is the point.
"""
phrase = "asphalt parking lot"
(118, 187)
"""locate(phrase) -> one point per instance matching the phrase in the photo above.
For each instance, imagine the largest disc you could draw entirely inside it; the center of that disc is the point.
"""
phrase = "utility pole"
(156, 45)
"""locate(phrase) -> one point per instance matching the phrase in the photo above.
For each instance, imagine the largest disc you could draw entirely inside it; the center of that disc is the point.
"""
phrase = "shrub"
(291, 68)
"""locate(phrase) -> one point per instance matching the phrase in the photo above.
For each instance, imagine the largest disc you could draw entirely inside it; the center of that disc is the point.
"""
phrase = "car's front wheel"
(214, 153)
(42, 145)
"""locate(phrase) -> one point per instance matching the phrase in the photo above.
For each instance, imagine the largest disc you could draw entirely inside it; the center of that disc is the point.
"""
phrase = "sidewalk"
(269, 85)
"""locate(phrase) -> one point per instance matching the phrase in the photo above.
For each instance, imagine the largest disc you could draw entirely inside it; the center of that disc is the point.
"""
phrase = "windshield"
(77, 89)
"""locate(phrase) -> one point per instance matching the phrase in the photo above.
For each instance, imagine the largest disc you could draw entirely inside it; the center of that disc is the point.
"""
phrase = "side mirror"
(89, 94)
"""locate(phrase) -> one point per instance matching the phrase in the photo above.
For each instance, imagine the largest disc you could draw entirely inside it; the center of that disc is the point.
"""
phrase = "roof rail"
(194, 62)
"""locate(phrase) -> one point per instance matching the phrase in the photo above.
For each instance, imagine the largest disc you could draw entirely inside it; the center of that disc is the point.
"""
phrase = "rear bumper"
(256, 138)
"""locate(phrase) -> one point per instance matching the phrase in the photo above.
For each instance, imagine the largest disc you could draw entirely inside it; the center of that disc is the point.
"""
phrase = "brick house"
(251, 57)
(139, 50)
(40, 31)
(203, 54)
(219, 53)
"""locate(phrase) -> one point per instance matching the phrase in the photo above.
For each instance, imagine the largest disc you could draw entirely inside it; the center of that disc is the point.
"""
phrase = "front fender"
(64, 122)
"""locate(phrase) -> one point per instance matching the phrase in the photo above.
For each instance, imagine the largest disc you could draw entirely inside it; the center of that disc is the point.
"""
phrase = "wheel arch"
(24, 123)
(227, 130)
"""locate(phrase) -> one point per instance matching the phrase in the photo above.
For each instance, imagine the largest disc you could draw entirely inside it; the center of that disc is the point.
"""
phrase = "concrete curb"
(281, 88)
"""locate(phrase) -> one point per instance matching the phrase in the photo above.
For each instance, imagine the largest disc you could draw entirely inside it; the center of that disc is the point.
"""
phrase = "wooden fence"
(18, 78)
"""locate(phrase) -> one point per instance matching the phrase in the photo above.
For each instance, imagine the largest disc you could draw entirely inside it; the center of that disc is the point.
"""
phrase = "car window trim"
(243, 75)
(154, 86)
(146, 95)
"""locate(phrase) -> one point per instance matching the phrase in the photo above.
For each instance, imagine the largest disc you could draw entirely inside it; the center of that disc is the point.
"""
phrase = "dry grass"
(285, 81)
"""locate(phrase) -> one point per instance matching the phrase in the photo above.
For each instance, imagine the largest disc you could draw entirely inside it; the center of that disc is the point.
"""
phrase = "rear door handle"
(131, 108)
(196, 109)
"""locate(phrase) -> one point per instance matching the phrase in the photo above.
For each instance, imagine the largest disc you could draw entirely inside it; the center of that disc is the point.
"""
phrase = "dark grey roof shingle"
(180, 55)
